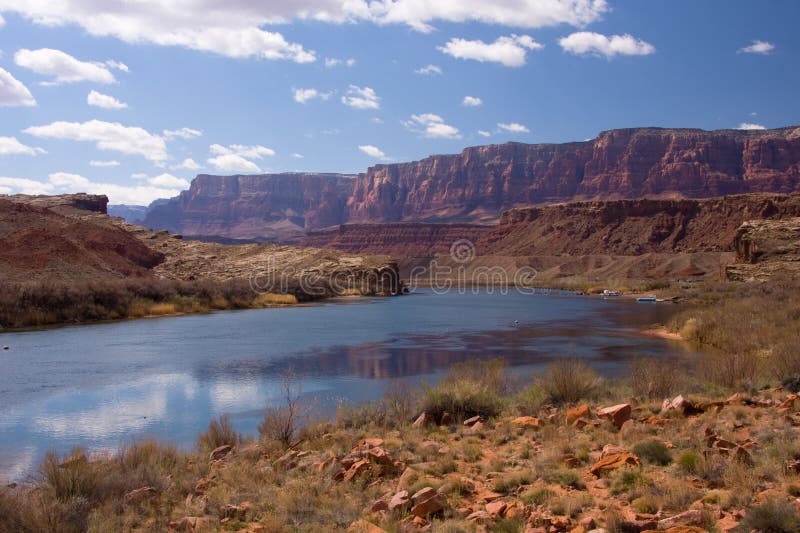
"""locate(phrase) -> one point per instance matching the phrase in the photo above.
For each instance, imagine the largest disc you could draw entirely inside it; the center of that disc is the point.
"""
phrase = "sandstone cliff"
(269, 207)
(766, 249)
(481, 182)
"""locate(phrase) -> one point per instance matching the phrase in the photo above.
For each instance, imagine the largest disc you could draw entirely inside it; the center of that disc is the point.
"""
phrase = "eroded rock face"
(766, 249)
(268, 207)
(481, 182)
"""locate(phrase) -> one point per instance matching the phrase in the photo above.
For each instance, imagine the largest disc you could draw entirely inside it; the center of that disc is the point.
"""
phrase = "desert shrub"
(646, 504)
(569, 381)
(220, 432)
(689, 462)
(538, 496)
(283, 423)
(772, 516)
(654, 452)
(511, 482)
(653, 377)
(470, 388)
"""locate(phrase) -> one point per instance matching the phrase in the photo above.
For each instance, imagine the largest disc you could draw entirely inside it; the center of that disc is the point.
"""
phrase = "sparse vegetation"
(569, 381)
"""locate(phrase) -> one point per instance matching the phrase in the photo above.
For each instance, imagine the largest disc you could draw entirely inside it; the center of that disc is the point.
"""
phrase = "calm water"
(104, 385)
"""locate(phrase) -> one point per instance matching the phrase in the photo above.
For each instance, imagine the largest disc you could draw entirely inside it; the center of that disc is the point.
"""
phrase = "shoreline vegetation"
(702, 444)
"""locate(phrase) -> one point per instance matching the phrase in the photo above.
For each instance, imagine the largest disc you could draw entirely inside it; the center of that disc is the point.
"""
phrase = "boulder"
(692, 517)
(616, 414)
(496, 508)
(472, 421)
(424, 420)
(433, 505)
(400, 501)
(220, 453)
(139, 495)
(363, 526)
(613, 462)
(575, 413)
(527, 422)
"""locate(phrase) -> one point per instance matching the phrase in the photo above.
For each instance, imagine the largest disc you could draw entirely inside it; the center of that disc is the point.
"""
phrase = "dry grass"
(569, 381)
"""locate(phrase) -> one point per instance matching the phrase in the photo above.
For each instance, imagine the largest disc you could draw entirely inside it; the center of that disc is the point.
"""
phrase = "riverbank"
(568, 452)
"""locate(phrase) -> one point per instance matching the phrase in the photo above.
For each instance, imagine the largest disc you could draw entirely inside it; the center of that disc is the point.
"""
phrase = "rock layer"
(481, 182)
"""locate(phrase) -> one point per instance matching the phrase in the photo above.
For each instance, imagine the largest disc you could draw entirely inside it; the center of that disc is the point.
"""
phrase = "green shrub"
(689, 462)
(654, 452)
(470, 388)
(773, 516)
(569, 381)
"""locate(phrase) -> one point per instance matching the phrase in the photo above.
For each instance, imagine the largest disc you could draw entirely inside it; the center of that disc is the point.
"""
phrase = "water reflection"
(102, 386)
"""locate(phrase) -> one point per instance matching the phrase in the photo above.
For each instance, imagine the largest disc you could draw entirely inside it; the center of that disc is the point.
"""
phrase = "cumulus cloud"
(66, 182)
(183, 133)
(111, 136)
(484, 133)
(757, 47)
(188, 164)
(304, 95)
(237, 157)
(591, 43)
(432, 126)
(12, 92)
(112, 163)
(513, 127)
(373, 151)
(24, 186)
(507, 50)
(361, 98)
(11, 146)
(750, 126)
(471, 101)
(429, 70)
(62, 67)
(168, 181)
(105, 101)
(233, 163)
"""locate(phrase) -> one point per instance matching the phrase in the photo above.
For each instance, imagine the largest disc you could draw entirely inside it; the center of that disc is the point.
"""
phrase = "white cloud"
(10, 145)
(750, 126)
(484, 133)
(376, 120)
(168, 181)
(233, 163)
(13, 92)
(297, 156)
(304, 95)
(183, 133)
(234, 28)
(471, 101)
(429, 70)
(361, 98)
(373, 151)
(590, 43)
(757, 47)
(62, 67)
(331, 62)
(432, 126)
(188, 164)
(513, 127)
(24, 186)
(117, 65)
(251, 152)
(112, 163)
(507, 50)
(107, 136)
(71, 181)
(2, 21)
(105, 101)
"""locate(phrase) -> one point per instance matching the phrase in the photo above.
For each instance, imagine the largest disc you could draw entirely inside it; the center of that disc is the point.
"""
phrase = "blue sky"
(115, 97)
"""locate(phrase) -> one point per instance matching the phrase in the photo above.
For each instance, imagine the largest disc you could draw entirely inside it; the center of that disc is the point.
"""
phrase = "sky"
(133, 99)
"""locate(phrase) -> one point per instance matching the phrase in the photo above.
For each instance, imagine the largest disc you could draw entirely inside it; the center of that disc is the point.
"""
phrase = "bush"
(220, 432)
(470, 388)
(773, 516)
(282, 424)
(569, 381)
(654, 452)
(689, 462)
(653, 377)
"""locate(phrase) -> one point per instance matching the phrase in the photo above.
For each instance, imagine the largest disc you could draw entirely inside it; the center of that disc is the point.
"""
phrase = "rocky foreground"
(681, 466)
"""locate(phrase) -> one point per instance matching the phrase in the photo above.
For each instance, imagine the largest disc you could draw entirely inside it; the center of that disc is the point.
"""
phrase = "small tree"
(282, 424)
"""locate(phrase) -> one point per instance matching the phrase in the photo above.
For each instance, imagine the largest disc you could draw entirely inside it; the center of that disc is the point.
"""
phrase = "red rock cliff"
(264, 207)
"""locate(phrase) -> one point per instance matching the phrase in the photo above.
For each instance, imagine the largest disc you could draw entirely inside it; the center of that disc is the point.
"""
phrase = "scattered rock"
(613, 462)
(472, 421)
(139, 495)
(527, 422)
(400, 501)
(433, 505)
(616, 414)
(195, 524)
(581, 411)
(362, 526)
(423, 420)
(692, 517)
(220, 453)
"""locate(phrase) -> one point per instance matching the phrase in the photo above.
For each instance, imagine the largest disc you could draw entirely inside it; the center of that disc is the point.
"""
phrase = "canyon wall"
(269, 207)
(480, 183)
